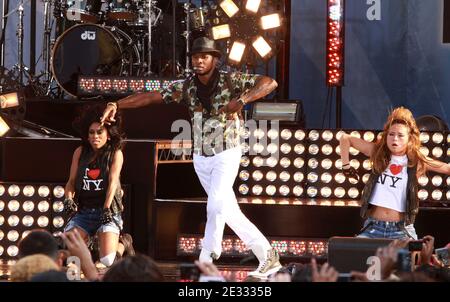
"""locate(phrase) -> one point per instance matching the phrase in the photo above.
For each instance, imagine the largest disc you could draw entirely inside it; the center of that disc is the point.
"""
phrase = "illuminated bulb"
(13, 220)
(271, 162)
(424, 150)
(313, 149)
(257, 190)
(13, 205)
(257, 175)
(326, 177)
(13, 190)
(299, 149)
(300, 135)
(27, 220)
(325, 192)
(327, 149)
(313, 163)
(43, 191)
(272, 134)
(244, 175)
(298, 176)
(286, 134)
(285, 176)
(422, 194)
(312, 177)
(339, 192)
(353, 192)
(271, 176)
(285, 148)
(313, 135)
(258, 161)
(339, 178)
(326, 163)
(438, 138)
(284, 190)
(58, 222)
(327, 135)
(271, 190)
(424, 137)
(245, 161)
(436, 194)
(28, 206)
(243, 189)
(298, 191)
(42, 221)
(28, 191)
(437, 152)
(272, 148)
(436, 180)
(423, 180)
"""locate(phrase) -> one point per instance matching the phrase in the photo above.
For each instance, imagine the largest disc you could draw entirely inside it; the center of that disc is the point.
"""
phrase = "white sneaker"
(207, 256)
(268, 266)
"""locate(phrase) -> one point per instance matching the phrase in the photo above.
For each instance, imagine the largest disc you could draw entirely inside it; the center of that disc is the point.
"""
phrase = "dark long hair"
(91, 114)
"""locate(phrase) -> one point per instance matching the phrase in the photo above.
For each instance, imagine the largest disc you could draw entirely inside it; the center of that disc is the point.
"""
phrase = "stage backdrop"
(394, 56)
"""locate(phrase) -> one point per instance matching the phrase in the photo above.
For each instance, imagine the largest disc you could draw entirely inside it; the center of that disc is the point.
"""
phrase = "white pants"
(217, 175)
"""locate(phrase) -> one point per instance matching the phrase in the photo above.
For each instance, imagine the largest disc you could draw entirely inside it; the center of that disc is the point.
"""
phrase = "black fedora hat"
(203, 44)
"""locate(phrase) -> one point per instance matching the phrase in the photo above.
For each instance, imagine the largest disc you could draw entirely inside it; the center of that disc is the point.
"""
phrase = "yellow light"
(229, 7)
(9, 100)
(221, 32)
(262, 47)
(270, 21)
(253, 5)
(237, 51)
(3, 127)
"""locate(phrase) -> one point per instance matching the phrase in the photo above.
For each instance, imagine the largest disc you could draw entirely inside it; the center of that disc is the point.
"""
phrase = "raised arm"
(437, 166)
(133, 101)
(346, 141)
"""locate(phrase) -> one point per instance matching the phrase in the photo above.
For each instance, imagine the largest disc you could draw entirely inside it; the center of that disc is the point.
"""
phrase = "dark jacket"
(104, 164)
(412, 202)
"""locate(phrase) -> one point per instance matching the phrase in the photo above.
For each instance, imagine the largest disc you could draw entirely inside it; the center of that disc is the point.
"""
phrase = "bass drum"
(89, 50)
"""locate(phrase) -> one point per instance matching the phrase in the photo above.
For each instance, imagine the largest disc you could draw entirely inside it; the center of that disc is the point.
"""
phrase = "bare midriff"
(385, 214)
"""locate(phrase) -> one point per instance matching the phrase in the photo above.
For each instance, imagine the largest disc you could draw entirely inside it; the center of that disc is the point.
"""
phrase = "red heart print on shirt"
(94, 173)
(395, 169)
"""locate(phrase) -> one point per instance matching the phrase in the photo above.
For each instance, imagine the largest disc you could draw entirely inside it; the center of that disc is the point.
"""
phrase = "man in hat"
(215, 100)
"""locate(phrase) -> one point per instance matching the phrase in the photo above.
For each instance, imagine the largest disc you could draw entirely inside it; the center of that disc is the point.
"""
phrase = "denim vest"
(412, 202)
(105, 164)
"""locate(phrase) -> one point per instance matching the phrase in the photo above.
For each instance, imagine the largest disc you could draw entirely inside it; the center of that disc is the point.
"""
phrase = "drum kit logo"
(88, 35)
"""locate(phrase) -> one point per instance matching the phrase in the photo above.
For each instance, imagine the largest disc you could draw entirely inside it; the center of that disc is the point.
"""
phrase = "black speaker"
(347, 254)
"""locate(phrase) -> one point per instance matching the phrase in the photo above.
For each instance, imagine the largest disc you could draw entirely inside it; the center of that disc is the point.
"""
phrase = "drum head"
(84, 50)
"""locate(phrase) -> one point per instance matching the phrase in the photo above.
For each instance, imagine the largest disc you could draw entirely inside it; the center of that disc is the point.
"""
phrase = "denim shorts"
(89, 221)
(385, 229)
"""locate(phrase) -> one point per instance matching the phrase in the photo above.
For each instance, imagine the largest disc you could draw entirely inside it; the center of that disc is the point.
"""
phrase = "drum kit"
(100, 37)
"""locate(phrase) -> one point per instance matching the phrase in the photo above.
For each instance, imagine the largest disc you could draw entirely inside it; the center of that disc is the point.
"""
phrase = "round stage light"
(257, 190)
(436, 194)
(285, 162)
(437, 152)
(326, 164)
(58, 222)
(365, 178)
(327, 135)
(2, 220)
(298, 176)
(338, 164)
(271, 161)
(313, 163)
(369, 136)
(271, 176)
(286, 134)
(272, 148)
(285, 148)
(2, 205)
(243, 189)
(1, 235)
(27, 220)
(12, 251)
(339, 178)
(259, 133)
(28, 190)
(438, 138)
(13, 220)
(28, 206)
(325, 192)
(300, 135)
(43, 206)
(437, 180)
(355, 164)
(257, 175)
(25, 233)
(327, 149)
(258, 148)
(244, 175)
(284, 190)
(298, 191)
(423, 180)
(424, 150)
(245, 148)
(299, 149)
(422, 194)
(311, 192)
(299, 162)
(58, 206)
(13, 190)
(2, 190)
(42, 221)
(352, 151)
(424, 137)
(312, 177)
(43, 191)
(13, 235)
(285, 176)
(326, 177)
(272, 134)
(271, 190)
(339, 192)
(313, 149)
(353, 192)
(13, 205)
(355, 134)
(258, 161)
(313, 135)
(245, 161)
(367, 165)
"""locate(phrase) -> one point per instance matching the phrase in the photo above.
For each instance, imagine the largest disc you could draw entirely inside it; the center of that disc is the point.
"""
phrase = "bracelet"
(113, 104)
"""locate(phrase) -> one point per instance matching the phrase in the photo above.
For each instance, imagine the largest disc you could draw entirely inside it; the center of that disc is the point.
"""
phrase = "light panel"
(262, 47)
(229, 7)
(270, 21)
(253, 5)
(237, 51)
(221, 32)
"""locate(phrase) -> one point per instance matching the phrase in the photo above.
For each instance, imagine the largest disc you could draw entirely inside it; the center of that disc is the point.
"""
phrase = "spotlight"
(237, 52)
(262, 47)
(9, 100)
(221, 32)
(270, 21)
(253, 5)
(229, 7)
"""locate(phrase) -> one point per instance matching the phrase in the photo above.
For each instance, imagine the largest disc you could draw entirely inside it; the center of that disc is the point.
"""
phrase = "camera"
(189, 272)
(415, 245)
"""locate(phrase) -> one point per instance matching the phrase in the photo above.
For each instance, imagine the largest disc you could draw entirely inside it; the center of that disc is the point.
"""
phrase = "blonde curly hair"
(27, 267)
(381, 154)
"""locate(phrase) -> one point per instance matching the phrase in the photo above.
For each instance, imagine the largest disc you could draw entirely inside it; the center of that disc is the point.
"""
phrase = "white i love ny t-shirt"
(390, 189)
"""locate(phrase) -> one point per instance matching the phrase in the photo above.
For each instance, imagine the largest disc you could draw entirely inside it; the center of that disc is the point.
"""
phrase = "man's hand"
(77, 247)
(232, 107)
(327, 273)
(109, 114)
(427, 250)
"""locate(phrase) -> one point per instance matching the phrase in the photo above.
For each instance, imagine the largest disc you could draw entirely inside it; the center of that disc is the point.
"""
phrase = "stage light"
(271, 190)
(257, 175)
(9, 100)
(437, 180)
(237, 51)
(270, 21)
(314, 135)
(299, 149)
(262, 47)
(13, 205)
(298, 176)
(253, 5)
(300, 135)
(4, 128)
(257, 190)
(245, 161)
(43, 206)
(272, 148)
(369, 136)
(285, 162)
(271, 176)
(423, 180)
(271, 162)
(312, 192)
(229, 7)
(243, 189)
(272, 134)
(438, 138)
(424, 137)
(313, 149)
(313, 163)
(285, 148)
(244, 175)
(285, 176)
(221, 32)
(43, 191)
(13, 190)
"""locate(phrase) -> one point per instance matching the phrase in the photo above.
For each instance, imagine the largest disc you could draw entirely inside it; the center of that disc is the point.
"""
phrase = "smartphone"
(404, 260)
(415, 245)
(189, 272)
(442, 255)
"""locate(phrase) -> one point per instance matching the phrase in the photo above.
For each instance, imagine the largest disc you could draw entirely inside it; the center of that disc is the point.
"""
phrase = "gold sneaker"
(269, 266)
